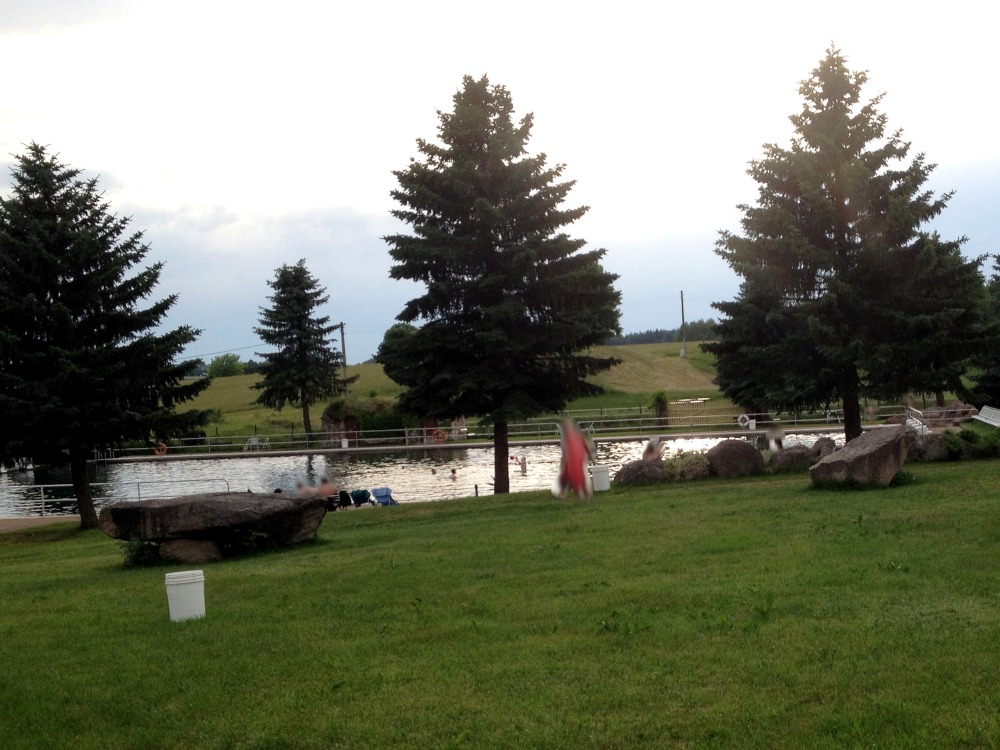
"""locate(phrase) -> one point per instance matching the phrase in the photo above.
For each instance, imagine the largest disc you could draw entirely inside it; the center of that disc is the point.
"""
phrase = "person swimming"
(326, 488)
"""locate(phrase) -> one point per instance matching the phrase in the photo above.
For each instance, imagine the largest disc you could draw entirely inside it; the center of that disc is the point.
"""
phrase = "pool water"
(413, 476)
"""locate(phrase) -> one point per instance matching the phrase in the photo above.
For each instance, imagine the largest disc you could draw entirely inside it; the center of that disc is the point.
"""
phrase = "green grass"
(234, 397)
(647, 368)
(757, 614)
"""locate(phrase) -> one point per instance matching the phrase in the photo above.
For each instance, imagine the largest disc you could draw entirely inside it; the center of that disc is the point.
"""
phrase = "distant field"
(645, 369)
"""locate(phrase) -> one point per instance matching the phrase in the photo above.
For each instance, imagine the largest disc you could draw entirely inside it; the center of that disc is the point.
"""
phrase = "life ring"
(160, 449)
(439, 436)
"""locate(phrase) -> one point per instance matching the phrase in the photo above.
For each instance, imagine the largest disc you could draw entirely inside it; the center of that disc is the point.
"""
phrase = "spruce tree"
(306, 365)
(81, 366)
(845, 295)
(512, 303)
(986, 379)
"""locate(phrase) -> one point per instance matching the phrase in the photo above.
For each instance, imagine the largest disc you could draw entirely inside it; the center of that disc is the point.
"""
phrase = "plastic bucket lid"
(185, 576)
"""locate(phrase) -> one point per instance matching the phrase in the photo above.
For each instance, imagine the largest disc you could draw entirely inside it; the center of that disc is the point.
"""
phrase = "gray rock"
(641, 472)
(732, 459)
(218, 517)
(874, 458)
(796, 458)
(932, 447)
(823, 448)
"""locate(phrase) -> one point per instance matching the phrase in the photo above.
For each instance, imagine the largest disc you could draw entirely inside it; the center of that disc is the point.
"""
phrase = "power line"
(260, 345)
(224, 351)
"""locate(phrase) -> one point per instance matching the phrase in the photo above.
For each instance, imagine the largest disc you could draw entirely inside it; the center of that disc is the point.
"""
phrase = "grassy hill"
(645, 369)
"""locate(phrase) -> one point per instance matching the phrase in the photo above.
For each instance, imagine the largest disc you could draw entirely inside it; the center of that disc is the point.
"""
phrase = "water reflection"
(414, 476)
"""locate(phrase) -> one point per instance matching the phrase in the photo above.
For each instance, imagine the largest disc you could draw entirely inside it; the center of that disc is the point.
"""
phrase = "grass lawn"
(756, 614)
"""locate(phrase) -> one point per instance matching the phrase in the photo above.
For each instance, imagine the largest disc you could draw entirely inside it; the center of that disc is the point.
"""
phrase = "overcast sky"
(241, 136)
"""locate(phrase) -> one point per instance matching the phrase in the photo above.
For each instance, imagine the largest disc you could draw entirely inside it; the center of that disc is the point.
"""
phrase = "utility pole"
(683, 331)
(343, 353)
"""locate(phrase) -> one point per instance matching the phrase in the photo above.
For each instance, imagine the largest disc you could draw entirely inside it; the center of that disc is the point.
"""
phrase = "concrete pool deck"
(16, 524)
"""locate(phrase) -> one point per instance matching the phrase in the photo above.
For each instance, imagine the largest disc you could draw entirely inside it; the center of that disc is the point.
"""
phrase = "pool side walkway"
(16, 524)
(449, 445)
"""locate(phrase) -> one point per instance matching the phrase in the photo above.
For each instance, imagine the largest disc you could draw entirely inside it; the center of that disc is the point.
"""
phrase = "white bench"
(990, 415)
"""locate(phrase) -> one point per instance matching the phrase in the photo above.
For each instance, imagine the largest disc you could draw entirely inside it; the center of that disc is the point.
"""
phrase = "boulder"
(732, 459)
(874, 458)
(220, 518)
(938, 446)
(801, 457)
(931, 447)
(822, 448)
(191, 551)
(641, 472)
(796, 458)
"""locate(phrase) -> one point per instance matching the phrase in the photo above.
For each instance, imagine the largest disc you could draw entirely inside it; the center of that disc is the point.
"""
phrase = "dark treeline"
(696, 330)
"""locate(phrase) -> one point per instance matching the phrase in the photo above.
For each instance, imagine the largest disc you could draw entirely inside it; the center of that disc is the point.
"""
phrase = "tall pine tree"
(987, 359)
(80, 364)
(306, 365)
(844, 295)
(512, 304)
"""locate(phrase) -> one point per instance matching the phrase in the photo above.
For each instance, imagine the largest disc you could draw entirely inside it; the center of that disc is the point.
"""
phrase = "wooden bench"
(990, 415)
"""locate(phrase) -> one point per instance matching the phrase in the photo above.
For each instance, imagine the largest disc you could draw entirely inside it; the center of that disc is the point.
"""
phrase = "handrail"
(42, 499)
(42, 487)
(604, 422)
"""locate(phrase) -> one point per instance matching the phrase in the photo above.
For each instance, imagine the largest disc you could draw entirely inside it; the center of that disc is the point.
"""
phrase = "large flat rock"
(873, 458)
(215, 516)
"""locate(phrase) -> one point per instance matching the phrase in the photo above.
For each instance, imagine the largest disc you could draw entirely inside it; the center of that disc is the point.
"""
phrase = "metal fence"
(45, 496)
(694, 415)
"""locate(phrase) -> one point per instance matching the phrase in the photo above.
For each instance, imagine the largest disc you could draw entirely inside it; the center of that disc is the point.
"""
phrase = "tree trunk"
(306, 424)
(852, 406)
(501, 451)
(81, 488)
(939, 398)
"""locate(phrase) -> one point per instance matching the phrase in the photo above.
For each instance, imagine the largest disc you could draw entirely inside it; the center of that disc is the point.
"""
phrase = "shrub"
(954, 445)
(990, 444)
(686, 465)
(659, 403)
(225, 365)
(969, 436)
(139, 554)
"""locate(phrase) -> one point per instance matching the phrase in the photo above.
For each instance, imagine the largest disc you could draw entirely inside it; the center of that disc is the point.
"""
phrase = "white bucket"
(185, 594)
(602, 480)
(344, 443)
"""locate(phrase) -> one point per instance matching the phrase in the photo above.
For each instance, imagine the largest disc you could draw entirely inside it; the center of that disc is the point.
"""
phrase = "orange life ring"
(439, 436)
(160, 449)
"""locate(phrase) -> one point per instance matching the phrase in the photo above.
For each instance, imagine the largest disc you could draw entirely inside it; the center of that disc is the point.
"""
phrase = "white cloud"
(246, 135)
